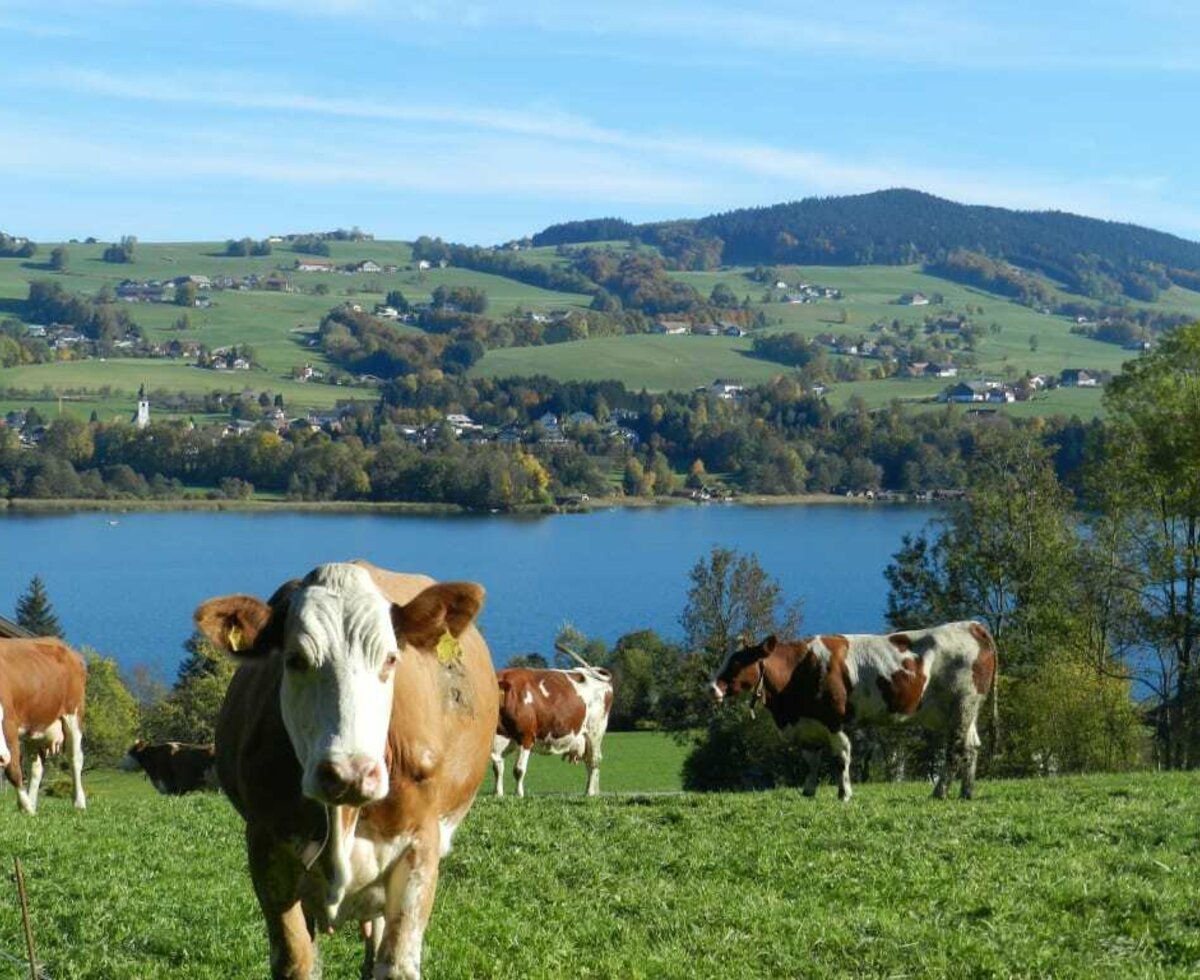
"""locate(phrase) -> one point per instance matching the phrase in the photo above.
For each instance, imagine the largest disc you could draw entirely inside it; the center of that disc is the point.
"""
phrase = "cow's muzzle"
(353, 781)
(717, 693)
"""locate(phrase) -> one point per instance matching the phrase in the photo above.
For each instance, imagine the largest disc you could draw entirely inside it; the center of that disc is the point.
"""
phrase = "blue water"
(129, 590)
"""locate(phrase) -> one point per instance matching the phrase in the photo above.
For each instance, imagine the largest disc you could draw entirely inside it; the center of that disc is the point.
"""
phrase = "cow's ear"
(234, 623)
(769, 644)
(445, 607)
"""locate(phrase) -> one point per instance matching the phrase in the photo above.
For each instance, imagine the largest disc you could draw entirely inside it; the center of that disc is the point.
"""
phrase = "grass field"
(277, 325)
(1080, 877)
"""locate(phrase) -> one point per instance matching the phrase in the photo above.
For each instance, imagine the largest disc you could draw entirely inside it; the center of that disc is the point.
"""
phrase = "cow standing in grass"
(937, 677)
(558, 712)
(42, 687)
(174, 768)
(352, 741)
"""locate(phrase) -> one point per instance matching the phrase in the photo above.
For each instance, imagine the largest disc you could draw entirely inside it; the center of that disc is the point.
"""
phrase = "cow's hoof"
(810, 792)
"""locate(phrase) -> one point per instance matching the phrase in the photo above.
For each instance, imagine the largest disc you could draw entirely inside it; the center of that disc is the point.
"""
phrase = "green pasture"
(651, 361)
(1087, 877)
(280, 326)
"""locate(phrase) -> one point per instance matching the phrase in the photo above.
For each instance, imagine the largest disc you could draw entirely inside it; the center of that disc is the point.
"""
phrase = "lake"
(128, 589)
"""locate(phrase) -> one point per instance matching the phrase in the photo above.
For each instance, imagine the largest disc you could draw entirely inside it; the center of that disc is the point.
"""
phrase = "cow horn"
(563, 648)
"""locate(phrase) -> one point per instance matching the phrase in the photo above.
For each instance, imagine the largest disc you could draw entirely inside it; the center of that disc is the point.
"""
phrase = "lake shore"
(59, 506)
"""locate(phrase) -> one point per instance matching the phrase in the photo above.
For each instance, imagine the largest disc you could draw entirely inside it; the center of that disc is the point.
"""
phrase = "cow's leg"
(839, 744)
(36, 769)
(501, 746)
(971, 745)
(410, 892)
(13, 769)
(74, 739)
(372, 933)
(812, 759)
(276, 878)
(953, 762)
(521, 766)
(591, 758)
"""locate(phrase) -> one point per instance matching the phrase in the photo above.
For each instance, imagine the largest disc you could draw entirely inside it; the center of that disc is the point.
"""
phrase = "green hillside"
(280, 326)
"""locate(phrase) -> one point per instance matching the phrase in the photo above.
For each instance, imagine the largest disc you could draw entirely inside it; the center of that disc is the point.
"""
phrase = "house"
(580, 418)
(386, 312)
(731, 329)
(707, 330)
(510, 436)
(276, 284)
(423, 264)
(1078, 378)
(367, 265)
(672, 327)
(965, 391)
(314, 265)
(935, 370)
(462, 424)
(200, 282)
(914, 299)
(726, 389)
(1001, 395)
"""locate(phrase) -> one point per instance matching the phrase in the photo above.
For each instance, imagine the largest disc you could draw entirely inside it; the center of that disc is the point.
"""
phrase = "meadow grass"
(1077, 877)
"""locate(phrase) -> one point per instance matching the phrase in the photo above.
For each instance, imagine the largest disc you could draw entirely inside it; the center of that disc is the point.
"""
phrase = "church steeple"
(141, 418)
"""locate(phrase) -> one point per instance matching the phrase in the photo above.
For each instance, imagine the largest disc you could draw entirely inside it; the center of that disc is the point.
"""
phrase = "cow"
(174, 768)
(558, 712)
(42, 689)
(352, 741)
(938, 677)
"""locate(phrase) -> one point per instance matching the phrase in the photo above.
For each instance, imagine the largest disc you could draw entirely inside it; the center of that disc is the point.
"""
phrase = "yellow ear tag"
(448, 648)
(234, 638)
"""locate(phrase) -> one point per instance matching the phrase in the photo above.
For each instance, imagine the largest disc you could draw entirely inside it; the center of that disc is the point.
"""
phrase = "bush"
(110, 720)
(738, 752)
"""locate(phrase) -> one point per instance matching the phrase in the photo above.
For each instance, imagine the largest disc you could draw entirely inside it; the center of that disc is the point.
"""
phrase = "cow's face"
(340, 641)
(132, 760)
(741, 670)
(5, 754)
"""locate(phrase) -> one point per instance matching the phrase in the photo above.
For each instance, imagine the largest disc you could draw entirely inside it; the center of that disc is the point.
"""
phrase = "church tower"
(142, 418)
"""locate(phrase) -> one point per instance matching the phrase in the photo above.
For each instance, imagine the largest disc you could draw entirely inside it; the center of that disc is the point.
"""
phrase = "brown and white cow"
(558, 712)
(42, 686)
(352, 741)
(937, 677)
(174, 768)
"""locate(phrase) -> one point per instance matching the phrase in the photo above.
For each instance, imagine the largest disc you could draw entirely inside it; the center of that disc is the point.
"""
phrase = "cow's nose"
(351, 781)
(717, 693)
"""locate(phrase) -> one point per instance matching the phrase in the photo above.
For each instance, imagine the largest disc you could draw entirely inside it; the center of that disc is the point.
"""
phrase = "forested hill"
(1094, 257)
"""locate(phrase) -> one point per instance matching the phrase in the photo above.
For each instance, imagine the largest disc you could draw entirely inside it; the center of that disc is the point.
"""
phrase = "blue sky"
(479, 122)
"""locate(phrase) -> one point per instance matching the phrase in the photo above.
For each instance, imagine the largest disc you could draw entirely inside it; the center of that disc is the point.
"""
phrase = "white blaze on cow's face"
(339, 652)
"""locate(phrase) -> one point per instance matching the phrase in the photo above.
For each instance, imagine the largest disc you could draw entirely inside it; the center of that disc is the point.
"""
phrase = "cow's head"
(132, 760)
(340, 640)
(742, 669)
(5, 754)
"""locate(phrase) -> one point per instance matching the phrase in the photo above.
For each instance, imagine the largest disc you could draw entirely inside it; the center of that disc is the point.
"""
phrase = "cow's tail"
(987, 638)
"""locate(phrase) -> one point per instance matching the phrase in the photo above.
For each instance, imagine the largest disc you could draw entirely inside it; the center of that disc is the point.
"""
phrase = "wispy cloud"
(555, 152)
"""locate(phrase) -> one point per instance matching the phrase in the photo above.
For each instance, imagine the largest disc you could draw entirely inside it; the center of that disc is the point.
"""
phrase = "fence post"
(25, 924)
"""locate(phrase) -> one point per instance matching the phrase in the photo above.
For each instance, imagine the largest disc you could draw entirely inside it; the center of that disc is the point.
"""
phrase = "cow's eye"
(389, 665)
(296, 662)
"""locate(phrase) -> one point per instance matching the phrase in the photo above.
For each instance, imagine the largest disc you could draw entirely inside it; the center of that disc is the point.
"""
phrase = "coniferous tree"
(34, 611)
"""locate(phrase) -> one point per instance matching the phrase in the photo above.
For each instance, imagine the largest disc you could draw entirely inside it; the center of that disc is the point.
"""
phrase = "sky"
(482, 122)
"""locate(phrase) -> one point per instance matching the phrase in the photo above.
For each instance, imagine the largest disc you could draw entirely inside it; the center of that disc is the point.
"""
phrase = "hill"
(1098, 259)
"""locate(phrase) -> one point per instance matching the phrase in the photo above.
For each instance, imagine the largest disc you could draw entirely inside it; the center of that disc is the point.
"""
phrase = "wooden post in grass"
(25, 924)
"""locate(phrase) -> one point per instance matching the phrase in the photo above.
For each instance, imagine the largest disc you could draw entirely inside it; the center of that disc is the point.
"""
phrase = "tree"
(112, 712)
(1148, 486)
(122, 251)
(189, 712)
(731, 600)
(185, 294)
(59, 258)
(34, 611)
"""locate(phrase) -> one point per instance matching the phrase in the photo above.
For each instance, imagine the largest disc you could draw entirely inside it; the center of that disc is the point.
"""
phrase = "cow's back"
(41, 679)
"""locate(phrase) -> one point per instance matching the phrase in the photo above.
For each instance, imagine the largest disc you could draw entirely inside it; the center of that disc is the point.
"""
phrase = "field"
(280, 325)
(277, 325)
(1080, 877)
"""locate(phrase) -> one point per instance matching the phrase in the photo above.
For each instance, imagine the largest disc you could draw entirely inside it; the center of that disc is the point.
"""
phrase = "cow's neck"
(779, 669)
